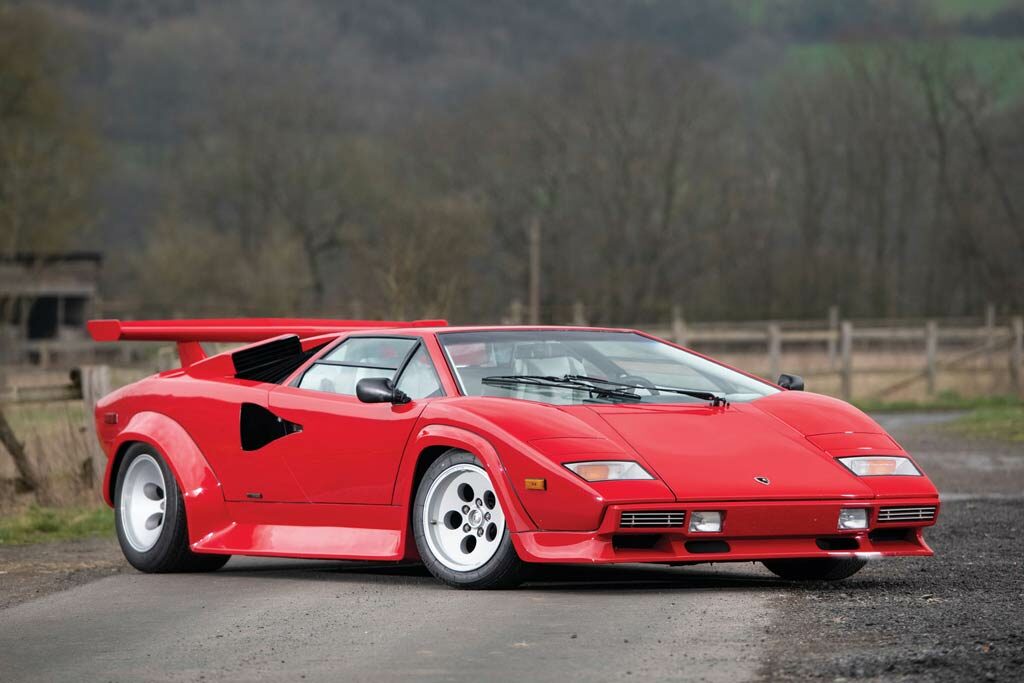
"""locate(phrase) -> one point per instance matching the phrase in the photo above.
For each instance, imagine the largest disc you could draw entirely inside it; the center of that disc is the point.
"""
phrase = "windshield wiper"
(567, 382)
(716, 399)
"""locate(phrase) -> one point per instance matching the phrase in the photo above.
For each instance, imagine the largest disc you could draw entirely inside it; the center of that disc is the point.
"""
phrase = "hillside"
(704, 126)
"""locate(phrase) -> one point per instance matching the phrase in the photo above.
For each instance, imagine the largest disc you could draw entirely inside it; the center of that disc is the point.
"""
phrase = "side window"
(381, 353)
(355, 359)
(419, 379)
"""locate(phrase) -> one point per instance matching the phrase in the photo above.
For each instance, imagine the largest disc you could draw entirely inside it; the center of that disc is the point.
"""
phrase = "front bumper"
(751, 530)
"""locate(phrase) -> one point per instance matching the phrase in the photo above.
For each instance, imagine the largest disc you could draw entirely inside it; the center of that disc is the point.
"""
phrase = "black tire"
(815, 569)
(503, 570)
(171, 552)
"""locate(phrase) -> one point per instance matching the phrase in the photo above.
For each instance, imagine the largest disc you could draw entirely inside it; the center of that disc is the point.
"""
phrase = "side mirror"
(791, 382)
(379, 390)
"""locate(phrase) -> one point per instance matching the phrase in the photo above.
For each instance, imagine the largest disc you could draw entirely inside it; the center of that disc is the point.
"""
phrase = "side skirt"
(305, 530)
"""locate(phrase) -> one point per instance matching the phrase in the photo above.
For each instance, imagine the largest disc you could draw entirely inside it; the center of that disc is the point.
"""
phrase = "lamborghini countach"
(484, 451)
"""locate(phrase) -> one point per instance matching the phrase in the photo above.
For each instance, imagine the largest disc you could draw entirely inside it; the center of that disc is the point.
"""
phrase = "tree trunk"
(27, 473)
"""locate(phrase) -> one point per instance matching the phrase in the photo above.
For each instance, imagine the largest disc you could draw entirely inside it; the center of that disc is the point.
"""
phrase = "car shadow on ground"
(589, 578)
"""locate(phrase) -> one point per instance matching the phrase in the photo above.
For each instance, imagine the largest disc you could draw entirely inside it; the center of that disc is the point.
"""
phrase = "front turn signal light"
(880, 466)
(608, 470)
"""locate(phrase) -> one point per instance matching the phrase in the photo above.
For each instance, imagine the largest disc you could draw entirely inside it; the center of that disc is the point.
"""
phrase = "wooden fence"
(853, 359)
(863, 359)
(88, 383)
(999, 348)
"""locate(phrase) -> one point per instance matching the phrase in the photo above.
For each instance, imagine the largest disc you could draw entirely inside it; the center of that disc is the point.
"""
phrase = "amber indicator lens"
(594, 472)
(606, 470)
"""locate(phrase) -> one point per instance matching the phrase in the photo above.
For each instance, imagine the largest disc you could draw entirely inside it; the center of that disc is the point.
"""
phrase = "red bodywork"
(342, 487)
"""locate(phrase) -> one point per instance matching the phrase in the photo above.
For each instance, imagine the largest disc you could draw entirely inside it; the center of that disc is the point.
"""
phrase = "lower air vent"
(841, 543)
(907, 514)
(642, 519)
(635, 541)
(699, 547)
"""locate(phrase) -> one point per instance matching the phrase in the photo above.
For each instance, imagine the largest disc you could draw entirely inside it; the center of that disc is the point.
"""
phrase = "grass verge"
(1005, 423)
(38, 524)
(946, 400)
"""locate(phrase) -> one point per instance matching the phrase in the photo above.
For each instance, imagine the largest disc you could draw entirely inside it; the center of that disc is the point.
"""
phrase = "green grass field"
(944, 401)
(756, 12)
(1004, 423)
(986, 417)
(39, 524)
(997, 61)
(45, 416)
(958, 9)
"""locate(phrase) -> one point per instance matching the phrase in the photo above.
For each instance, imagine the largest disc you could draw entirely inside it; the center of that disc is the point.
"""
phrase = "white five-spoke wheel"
(460, 526)
(143, 503)
(462, 522)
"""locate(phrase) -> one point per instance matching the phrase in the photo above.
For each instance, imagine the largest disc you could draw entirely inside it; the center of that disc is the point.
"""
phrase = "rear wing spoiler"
(188, 333)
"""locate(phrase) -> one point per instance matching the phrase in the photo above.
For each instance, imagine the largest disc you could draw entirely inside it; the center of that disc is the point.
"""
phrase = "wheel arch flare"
(205, 508)
(434, 440)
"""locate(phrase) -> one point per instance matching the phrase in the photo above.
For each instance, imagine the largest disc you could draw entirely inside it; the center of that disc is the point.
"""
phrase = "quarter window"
(369, 351)
(419, 379)
(360, 358)
(355, 359)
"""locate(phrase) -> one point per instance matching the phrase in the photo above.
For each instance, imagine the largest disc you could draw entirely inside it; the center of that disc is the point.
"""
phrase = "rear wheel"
(460, 527)
(816, 569)
(150, 517)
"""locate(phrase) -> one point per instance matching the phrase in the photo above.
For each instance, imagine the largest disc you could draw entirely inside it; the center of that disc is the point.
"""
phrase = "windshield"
(589, 367)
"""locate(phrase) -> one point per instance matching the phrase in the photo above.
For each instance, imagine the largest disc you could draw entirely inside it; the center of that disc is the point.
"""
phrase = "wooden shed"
(45, 300)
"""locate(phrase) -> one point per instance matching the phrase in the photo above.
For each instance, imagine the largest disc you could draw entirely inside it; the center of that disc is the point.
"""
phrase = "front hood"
(705, 453)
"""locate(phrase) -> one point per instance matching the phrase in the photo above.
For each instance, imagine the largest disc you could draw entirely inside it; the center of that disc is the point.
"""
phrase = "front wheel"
(150, 516)
(460, 527)
(815, 569)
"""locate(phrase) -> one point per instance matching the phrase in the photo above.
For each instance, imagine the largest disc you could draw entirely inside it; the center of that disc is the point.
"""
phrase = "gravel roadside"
(953, 617)
(28, 572)
(956, 616)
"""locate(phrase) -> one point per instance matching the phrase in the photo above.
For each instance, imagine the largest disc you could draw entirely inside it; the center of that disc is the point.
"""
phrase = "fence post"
(535, 262)
(1017, 354)
(846, 359)
(515, 312)
(774, 351)
(931, 347)
(579, 314)
(990, 343)
(678, 326)
(95, 385)
(833, 334)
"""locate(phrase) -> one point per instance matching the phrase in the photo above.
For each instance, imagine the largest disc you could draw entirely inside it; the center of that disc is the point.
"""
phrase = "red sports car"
(483, 450)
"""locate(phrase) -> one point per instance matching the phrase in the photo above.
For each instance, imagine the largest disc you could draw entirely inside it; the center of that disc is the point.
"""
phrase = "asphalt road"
(953, 617)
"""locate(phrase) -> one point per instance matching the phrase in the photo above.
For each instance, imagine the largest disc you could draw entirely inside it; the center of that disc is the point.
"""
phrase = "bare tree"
(48, 150)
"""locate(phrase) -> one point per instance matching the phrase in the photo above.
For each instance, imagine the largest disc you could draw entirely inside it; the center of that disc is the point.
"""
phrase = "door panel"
(211, 414)
(348, 451)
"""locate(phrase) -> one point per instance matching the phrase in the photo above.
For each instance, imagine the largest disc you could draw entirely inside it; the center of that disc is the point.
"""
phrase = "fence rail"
(88, 383)
(898, 354)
